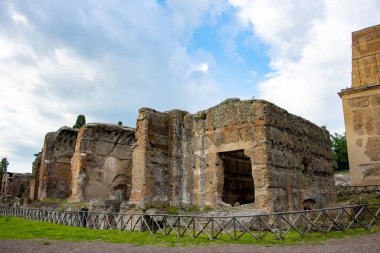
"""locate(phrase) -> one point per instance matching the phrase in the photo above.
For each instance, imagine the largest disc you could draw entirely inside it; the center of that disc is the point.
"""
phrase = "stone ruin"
(15, 184)
(54, 167)
(249, 153)
(14, 189)
(238, 152)
(361, 106)
(102, 162)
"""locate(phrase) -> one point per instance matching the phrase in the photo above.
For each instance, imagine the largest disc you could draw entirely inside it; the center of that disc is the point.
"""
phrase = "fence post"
(179, 226)
(234, 219)
(280, 224)
(365, 216)
(212, 228)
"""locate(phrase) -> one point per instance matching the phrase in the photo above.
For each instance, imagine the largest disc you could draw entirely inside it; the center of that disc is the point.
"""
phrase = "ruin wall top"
(366, 56)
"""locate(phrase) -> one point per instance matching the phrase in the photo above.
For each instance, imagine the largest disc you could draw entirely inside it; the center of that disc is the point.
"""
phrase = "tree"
(120, 123)
(340, 154)
(81, 121)
(3, 167)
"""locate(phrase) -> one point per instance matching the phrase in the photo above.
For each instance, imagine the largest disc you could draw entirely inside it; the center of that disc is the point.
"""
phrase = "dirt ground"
(359, 244)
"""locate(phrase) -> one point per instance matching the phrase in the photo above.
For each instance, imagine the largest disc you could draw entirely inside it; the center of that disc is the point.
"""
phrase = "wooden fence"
(256, 227)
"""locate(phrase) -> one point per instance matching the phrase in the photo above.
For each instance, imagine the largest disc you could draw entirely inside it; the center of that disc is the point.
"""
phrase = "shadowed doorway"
(238, 180)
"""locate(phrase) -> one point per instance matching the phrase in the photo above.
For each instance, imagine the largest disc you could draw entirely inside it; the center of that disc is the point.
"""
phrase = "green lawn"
(18, 228)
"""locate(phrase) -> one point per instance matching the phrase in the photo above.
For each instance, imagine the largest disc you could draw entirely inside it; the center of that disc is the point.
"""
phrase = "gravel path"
(358, 244)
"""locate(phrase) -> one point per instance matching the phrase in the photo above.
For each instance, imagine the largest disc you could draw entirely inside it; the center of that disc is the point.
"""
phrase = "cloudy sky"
(105, 59)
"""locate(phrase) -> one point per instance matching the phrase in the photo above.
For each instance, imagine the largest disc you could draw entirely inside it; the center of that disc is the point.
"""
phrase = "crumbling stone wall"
(102, 162)
(299, 166)
(238, 152)
(34, 177)
(366, 57)
(178, 156)
(361, 106)
(55, 168)
(362, 122)
(158, 159)
(15, 184)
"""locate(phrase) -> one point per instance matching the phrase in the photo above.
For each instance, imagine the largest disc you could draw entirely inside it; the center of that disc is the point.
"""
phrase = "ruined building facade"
(361, 106)
(251, 152)
(15, 184)
(102, 162)
(247, 152)
(54, 173)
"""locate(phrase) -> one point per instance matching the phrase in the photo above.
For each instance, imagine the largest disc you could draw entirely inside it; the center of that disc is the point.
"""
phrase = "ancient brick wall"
(300, 165)
(102, 162)
(157, 162)
(239, 151)
(233, 125)
(181, 162)
(248, 152)
(361, 106)
(55, 168)
(366, 56)
(15, 184)
(34, 178)
(362, 122)
(263, 132)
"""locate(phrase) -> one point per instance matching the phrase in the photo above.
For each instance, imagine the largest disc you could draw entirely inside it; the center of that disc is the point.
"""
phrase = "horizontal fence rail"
(349, 190)
(254, 227)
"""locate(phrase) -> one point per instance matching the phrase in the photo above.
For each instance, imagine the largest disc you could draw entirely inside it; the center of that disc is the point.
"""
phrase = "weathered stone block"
(55, 169)
(359, 102)
(102, 162)
(373, 148)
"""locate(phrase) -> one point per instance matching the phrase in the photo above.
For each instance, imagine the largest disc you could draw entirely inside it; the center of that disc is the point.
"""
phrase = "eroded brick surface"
(178, 156)
(361, 106)
(102, 162)
(55, 167)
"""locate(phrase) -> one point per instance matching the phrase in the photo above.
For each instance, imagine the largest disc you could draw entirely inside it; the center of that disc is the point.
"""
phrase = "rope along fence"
(355, 190)
(255, 227)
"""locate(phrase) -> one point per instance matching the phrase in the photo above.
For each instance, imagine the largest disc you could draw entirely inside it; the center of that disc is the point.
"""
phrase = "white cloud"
(201, 67)
(285, 25)
(79, 67)
(102, 59)
(310, 51)
(105, 59)
(17, 17)
(193, 13)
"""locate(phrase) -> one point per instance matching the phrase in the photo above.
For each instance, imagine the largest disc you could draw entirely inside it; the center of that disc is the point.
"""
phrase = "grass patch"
(172, 210)
(18, 228)
(206, 208)
(54, 200)
(193, 209)
(58, 204)
(359, 199)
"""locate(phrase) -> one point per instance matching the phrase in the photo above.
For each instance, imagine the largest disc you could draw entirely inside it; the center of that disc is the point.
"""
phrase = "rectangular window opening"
(238, 180)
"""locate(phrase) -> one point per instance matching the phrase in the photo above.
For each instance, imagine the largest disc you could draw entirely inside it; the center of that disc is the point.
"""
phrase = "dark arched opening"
(309, 204)
(238, 180)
